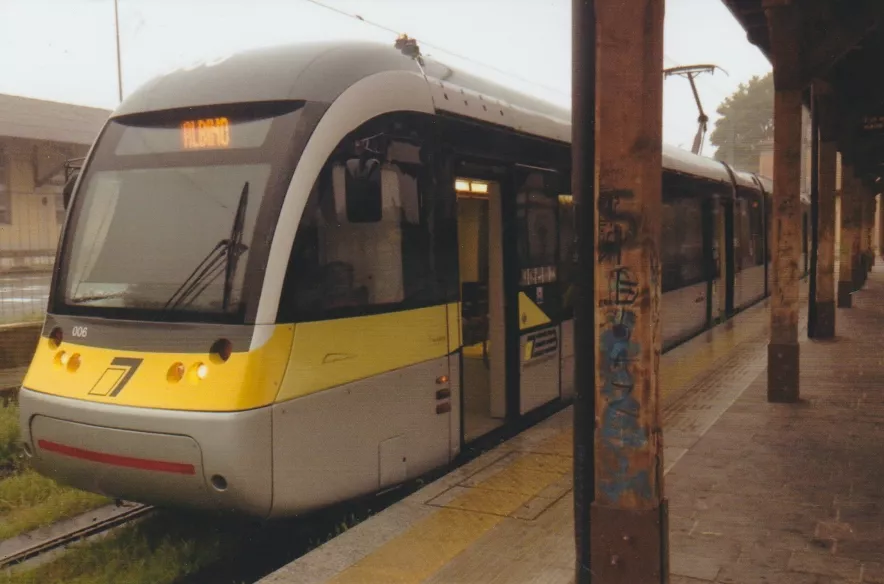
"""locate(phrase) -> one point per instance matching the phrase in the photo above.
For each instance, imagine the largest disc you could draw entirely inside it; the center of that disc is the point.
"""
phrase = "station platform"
(759, 492)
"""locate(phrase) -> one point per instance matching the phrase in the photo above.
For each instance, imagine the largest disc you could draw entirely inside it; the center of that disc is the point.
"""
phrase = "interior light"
(462, 185)
(477, 187)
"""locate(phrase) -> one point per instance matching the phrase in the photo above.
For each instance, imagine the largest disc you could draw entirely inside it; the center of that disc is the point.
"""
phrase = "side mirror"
(69, 189)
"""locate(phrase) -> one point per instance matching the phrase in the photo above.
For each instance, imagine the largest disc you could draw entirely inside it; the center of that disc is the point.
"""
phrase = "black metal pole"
(583, 115)
(119, 62)
(814, 212)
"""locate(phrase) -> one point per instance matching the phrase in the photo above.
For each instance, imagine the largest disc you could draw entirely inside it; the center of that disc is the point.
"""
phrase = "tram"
(299, 275)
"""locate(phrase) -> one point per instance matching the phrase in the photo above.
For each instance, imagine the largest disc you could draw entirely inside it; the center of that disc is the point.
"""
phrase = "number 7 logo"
(115, 377)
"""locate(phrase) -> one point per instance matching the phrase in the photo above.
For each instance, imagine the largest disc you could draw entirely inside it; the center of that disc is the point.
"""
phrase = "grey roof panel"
(686, 162)
(766, 183)
(745, 180)
(313, 72)
(322, 71)
(37, 119)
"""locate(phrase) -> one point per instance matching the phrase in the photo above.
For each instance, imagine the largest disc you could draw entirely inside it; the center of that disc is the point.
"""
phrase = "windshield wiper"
(97, 297)
(222, 259)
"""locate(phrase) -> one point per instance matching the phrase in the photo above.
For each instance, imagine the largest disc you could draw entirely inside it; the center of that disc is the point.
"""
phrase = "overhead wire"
(439, 48)
(723, 92)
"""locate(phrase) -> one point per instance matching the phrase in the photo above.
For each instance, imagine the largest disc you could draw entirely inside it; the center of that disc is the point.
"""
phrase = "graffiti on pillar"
(622, 287)
(620, 430)
(621, 434)
(616, 228)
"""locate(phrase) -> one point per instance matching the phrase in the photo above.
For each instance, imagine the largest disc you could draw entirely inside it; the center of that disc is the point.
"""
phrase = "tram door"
(480, 257)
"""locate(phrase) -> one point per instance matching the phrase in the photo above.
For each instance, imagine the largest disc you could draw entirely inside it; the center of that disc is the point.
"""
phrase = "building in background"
(36, 138)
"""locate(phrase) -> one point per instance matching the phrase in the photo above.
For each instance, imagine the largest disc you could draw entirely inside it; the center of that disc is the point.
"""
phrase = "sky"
(65, 50)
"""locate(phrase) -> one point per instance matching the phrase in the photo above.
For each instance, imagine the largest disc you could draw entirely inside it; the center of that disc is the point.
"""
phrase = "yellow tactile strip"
(467, 511)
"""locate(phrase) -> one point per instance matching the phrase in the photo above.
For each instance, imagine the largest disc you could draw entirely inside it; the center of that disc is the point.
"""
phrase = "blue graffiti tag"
(620, 429)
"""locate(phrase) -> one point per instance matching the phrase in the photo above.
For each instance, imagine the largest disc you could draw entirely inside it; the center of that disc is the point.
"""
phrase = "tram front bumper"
(203, 460)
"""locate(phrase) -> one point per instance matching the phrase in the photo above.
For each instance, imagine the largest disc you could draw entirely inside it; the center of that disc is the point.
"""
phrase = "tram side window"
(364, 244)
(538, 232)
(538, 241)
(750, 232)
(756, 225)
(682, 243)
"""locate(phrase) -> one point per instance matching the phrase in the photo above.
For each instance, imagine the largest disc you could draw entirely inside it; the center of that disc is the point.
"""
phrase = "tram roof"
(323, 71)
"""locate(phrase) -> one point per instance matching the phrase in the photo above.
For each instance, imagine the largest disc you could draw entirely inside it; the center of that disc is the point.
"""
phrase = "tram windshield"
(165, 217)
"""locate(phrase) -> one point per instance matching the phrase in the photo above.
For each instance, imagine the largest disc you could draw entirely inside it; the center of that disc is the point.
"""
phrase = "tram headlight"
(202, 371)
(74, 362)
(175, 373)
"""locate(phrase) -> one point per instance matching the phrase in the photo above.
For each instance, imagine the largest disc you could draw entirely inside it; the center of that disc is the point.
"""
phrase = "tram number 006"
(205, 133)
(79, 332)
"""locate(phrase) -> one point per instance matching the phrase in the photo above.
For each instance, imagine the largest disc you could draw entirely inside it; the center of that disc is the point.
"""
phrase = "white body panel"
(683, 312)
(350, 440)
(539, 368)
(748, 286)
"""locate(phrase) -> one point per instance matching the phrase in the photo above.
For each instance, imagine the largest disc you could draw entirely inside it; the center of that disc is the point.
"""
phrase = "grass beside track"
(9, 450)
(158, 550)
(27, 499)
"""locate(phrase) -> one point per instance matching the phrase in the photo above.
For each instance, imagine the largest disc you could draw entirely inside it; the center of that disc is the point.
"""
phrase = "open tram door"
(482, 320)
(511, 296)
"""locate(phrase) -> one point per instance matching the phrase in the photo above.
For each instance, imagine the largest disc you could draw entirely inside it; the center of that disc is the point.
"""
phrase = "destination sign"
(205, 133)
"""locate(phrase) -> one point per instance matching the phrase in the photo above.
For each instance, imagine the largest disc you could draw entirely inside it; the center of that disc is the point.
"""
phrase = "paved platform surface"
(759, 493)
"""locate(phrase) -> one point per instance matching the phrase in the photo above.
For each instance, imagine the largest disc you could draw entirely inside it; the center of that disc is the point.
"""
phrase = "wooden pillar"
(783, 350)
(849, 235)
(825, 269)
(629, 515)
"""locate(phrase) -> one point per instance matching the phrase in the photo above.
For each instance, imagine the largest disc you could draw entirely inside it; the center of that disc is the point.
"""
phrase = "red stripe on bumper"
(116, 460)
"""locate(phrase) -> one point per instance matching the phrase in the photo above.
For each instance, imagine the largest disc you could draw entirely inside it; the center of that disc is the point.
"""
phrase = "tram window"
(682, 243)
(749, 251)
(362, 190)
(536, 215)
(135, 243)
(756, 226)
(342, 267)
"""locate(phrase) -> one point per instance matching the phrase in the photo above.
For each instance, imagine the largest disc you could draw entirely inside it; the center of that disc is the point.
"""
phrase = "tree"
(746, 123)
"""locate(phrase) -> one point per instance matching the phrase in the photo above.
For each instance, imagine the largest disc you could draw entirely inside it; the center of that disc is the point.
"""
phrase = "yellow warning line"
(434, 541)
(680, 367)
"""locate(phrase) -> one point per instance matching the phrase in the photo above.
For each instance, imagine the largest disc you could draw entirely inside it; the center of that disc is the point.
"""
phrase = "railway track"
(73, 535)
